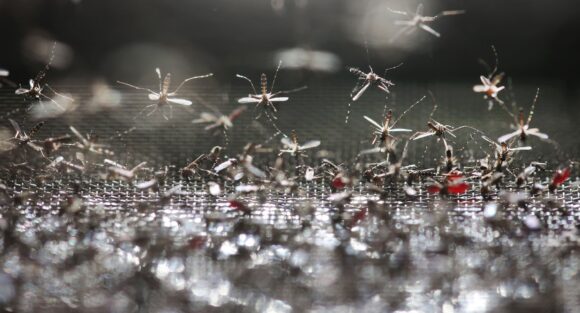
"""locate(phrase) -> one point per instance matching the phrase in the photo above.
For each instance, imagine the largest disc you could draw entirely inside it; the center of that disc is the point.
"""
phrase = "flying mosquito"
(293, 148)
(368, 79)
(419, 21)
(522, 127)
(245, 159)
(503, 152)
(36, 86)
(438, 130)
(490, 84)
(21, 138)
(164, 98)
(219, 121)
(266, 99)
(382, 132)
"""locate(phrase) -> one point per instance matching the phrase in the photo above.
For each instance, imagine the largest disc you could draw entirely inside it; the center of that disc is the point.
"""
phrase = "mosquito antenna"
(275, 75)
(137, 87)
(409, 109)
(533, 106)
(291, 90)
(191, 78)
(392, 68)
(249, 80)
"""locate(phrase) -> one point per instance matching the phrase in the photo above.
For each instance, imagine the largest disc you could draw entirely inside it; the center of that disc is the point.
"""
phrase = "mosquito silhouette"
(163, 97)
(419, 21)
(522, 126)
(266, 99)
(490, 85)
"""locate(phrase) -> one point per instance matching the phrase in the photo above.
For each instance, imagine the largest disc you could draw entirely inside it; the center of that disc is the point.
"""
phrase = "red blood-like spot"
(560, 177)
(238, 205)
(359, 216)
(458, 188)
(338, 182)
(197, 242)
(434, 189)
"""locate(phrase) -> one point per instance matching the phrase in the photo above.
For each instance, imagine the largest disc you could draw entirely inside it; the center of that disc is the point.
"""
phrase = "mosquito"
(246, 161)
(522, 177)
(503, 152)
(217, 120)
(193, 167)
(419, 21)
(454, 183)
(368, 79)
(490, 84)
(21, 138)
(117, 170)
(89, 144)
(164, 98)
(293, 148)
(266, 99)
(52, 144)
(382, 132)
(36, 86)
(523, 129)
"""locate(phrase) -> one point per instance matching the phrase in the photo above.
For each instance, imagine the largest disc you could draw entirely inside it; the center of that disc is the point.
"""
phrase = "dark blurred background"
(534, 38)
(109, 40)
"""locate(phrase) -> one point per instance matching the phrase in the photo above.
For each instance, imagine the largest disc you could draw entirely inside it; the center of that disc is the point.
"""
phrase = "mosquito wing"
(536, 132)
(287, 142)
(153, 96)
(370, 120)
(480, 88)
(205, 117)
(279, 99)
(222, 166)
(16, 127)
(423, 135)
(430, 30)
(361, 91)
(21, 91)
(507, 137)
(520, 148)
(179, 101)
(254, 170)
(400, 130)
(249, 99)
(237, 112)
(310, 145)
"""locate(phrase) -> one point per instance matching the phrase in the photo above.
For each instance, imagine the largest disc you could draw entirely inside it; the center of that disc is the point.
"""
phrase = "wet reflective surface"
(125, 250)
